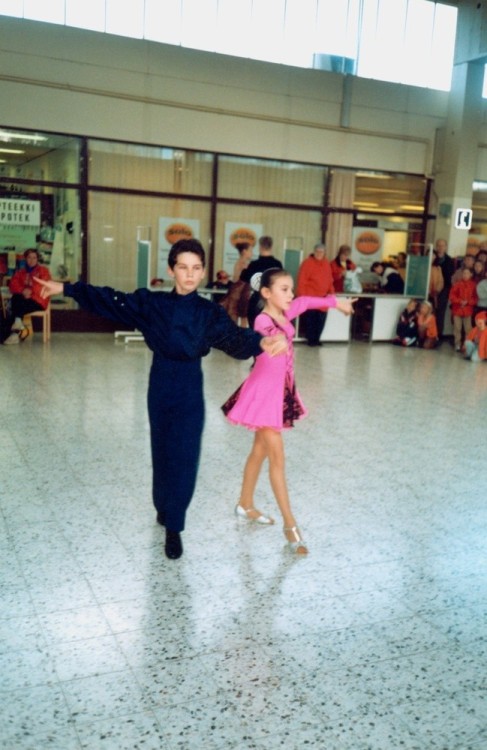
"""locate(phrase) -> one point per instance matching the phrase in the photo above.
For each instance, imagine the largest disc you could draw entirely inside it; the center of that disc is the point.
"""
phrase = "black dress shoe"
(174, 545)
(161, 519)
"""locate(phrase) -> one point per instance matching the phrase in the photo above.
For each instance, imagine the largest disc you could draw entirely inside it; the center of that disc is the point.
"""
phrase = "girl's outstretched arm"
(345, 305)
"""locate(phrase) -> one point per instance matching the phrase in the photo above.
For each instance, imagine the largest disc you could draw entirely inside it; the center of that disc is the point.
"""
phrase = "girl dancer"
(268, 402)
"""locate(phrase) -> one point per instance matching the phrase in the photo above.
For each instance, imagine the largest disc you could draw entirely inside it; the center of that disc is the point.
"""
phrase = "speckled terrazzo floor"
(377, 640)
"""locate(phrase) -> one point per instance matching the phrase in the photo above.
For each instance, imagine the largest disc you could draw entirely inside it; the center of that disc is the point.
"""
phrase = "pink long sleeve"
(301, 304)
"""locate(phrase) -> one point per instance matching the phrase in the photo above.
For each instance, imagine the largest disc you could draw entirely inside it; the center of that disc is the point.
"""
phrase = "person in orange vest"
(463, 298)
(26, 296)
(427, 326)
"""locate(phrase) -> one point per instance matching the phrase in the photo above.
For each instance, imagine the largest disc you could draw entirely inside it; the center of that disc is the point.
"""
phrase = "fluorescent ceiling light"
(7, 135)
(11, 151)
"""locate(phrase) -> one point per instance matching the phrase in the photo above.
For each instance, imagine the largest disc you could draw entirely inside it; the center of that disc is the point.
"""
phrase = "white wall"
(85, 83)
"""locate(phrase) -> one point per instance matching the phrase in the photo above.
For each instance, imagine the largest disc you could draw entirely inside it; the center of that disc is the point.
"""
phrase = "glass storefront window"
(40, 169)
(151, 168)
(377, 192)
(118, 221)
(38, 156)
(53, 227)
(271, 181)
(296, 230)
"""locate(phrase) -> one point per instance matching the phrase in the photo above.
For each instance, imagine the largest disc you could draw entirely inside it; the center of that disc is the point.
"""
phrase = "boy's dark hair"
(185, 246)
(376, 265)
(266, 242)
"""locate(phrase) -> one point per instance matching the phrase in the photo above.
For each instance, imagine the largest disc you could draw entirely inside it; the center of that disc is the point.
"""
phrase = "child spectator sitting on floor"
(427, 328)
(406, 329)
(475, 347)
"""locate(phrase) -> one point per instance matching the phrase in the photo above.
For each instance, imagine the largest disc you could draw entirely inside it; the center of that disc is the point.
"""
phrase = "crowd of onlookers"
(457, 287)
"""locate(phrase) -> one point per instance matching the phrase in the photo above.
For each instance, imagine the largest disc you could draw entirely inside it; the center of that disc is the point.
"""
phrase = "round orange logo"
(176, 232)
(368, 242)
(243, 235)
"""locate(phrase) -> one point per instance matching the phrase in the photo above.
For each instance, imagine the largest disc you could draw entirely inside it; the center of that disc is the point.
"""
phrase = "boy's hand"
(345, 305)
(274, 345)
(49, 288)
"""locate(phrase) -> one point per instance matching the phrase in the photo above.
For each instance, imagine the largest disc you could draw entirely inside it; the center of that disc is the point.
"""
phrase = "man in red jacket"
(26, 297)
(314, 280)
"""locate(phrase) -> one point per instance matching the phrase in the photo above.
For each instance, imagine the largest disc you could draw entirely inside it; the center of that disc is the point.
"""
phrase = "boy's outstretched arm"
(274, 345)
(49, 288)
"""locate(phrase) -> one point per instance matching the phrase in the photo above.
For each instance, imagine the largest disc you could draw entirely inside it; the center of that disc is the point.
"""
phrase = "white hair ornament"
(255, 281)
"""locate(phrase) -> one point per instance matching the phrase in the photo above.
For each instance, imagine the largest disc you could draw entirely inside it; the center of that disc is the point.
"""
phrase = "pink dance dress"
(268, 397)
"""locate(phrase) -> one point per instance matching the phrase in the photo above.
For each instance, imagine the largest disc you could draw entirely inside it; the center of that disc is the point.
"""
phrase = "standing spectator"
(436, 285)
(314, 280)
(26, 296)
(466, 262)
(478, 271)
(447, 266)
(340, 265)
(463, 298)
(243, 260)
(265, 261)
(402, 265)
(237, 300)
(481, 295)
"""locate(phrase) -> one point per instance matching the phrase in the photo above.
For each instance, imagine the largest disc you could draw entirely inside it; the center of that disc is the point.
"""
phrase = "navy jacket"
(174, 326)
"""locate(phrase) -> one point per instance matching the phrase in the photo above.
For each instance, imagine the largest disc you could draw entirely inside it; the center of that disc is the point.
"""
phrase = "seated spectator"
(390, 280)
(340, 265)
(427, 328)
(407, 329)
(475, 346)
(26, 296)
(463, 299)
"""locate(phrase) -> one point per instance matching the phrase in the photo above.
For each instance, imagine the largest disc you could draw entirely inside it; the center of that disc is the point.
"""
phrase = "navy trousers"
(313, 323)
(176, 417)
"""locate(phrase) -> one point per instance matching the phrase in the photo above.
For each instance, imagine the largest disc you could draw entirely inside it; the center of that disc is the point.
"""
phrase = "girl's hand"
(49, 288)
(345, 305)
(274, 345)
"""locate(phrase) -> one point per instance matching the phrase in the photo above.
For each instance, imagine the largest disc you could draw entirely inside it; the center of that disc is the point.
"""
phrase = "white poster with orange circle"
(236, 233)
(367, 246)
(170, 231)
